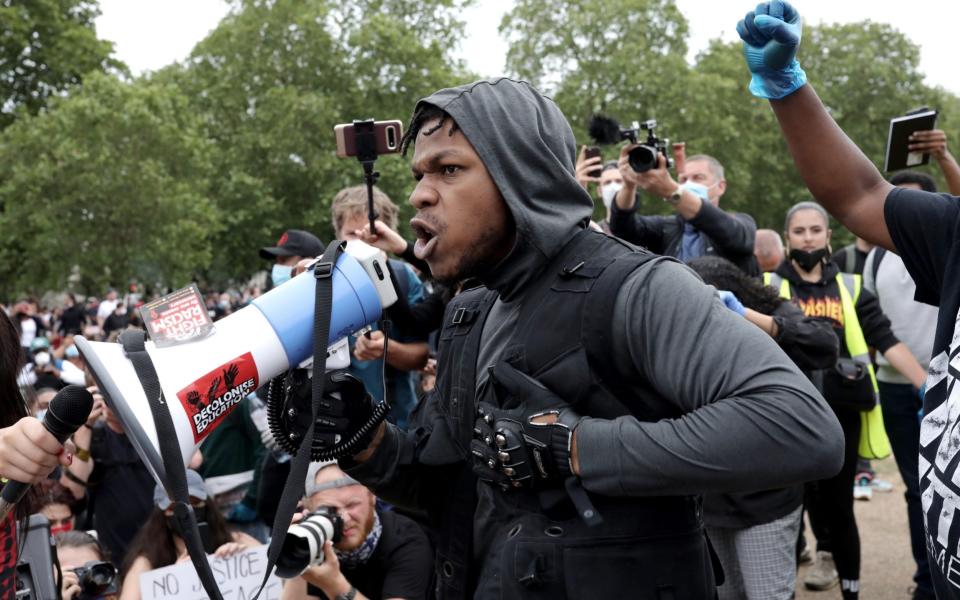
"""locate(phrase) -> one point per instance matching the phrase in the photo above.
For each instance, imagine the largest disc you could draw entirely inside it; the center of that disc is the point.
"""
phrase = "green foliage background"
(182, 174)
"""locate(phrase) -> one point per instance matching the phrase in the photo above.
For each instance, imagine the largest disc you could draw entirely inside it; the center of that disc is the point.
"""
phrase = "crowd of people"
(574, 404)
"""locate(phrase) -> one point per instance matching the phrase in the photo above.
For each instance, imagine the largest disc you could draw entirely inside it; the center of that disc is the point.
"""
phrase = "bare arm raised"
(820, 149)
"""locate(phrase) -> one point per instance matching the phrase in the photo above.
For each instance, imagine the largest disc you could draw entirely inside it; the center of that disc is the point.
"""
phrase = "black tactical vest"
(562, 338)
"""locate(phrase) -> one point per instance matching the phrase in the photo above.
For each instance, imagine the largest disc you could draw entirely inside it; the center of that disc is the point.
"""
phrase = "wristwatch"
(347, 595)
(674, 198)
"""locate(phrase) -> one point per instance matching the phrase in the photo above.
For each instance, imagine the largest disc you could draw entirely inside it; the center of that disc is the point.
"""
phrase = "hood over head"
(528, 147)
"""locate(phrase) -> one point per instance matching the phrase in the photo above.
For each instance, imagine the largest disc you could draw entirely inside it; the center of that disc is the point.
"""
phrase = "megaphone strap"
(293, 488)
(174, 469)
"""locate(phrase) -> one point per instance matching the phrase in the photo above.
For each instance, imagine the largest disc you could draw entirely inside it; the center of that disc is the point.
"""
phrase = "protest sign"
(237, 576)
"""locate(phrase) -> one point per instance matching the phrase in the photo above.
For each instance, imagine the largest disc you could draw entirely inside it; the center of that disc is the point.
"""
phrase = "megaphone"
(203, 381)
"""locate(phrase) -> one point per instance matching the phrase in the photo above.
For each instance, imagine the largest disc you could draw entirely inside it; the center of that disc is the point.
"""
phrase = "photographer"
(382, 554)
(77, 551)
(699, 228)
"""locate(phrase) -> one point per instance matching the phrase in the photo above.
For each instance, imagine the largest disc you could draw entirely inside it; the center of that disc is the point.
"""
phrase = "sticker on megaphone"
(177, 318)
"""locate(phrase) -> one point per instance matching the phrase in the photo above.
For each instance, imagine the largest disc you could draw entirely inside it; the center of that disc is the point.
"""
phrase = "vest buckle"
(458, 316)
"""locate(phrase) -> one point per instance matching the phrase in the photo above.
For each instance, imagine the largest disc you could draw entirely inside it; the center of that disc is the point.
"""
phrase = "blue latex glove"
(241, 513)
(771, 36)
(731, 301)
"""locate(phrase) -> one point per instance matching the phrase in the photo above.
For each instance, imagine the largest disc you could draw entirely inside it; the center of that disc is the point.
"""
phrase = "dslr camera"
(605, 130)
(95, 578)
(303, 546)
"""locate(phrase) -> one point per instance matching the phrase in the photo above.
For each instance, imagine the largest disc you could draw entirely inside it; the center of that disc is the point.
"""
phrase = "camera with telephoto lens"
(95, 578)
(303, 546)
(605, 130)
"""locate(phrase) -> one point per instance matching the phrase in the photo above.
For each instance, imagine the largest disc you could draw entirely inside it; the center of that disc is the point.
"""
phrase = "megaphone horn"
(204, 380)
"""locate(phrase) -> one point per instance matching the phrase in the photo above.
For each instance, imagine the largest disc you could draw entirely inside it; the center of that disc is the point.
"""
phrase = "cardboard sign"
(237, 576)
(209, 399)
(177, 318)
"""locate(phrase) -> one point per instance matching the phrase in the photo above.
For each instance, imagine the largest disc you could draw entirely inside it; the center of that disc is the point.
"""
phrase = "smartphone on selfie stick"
(367, 140)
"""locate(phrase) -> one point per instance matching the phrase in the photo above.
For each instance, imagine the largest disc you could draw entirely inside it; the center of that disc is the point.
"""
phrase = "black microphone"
(68, 410)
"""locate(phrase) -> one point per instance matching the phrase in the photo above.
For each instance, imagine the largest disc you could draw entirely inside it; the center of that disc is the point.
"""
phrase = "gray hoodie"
(751, 419)
(528, 148)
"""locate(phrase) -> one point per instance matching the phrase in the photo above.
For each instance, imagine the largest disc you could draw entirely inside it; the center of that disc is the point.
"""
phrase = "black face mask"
(808, 260)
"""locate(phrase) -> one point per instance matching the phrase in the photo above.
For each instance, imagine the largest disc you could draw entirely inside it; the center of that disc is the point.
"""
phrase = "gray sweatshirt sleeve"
(750, 419)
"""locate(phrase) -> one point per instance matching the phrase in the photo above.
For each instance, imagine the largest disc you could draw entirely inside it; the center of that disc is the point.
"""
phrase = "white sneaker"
(823, 574)
(881, 485)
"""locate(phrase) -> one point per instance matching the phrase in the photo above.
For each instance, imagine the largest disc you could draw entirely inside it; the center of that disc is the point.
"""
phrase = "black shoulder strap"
(849, 258)
(174, 470)
(597, 332)
(293, 488)
(878, 253)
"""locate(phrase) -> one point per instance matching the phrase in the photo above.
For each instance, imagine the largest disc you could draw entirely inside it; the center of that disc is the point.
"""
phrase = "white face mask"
(609, 192)
(41, 359)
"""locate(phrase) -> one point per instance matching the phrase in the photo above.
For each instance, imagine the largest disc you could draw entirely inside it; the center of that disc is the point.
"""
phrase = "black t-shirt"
(120, 490)
(72, 320)
(925, 229)
(401, 566)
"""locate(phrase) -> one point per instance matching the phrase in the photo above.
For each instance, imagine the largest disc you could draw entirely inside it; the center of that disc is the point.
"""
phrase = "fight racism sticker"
(177, 318)
(209, 399)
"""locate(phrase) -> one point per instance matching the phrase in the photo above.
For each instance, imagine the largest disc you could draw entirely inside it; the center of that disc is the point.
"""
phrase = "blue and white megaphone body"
(204, 380)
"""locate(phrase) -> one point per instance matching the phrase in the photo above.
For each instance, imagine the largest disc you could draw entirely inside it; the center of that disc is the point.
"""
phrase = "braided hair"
(423, 114)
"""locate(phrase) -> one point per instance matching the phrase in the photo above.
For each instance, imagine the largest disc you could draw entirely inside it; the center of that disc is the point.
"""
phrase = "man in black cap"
(292, 247)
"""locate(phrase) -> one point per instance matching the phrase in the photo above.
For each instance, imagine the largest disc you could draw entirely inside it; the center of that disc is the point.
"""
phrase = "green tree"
(270, 83)
(110, 183)
(624, 58)
(47, 46)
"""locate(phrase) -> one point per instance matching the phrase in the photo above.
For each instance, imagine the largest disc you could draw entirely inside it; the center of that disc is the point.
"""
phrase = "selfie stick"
(365, 138)
(366, 142)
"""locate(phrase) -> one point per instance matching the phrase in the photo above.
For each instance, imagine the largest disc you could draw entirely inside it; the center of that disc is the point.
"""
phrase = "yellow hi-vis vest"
(873, 437)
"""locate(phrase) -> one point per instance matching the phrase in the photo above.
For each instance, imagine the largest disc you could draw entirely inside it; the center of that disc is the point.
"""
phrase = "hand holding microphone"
(30, 450)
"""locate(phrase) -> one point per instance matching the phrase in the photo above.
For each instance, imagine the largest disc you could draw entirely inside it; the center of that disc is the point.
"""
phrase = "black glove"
(344, 407)
(511, 447)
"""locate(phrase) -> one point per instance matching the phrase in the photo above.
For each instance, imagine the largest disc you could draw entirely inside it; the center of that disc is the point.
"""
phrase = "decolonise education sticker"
(209, 399)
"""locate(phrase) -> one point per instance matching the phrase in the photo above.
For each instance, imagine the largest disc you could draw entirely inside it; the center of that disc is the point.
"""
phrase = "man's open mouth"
(426, 239)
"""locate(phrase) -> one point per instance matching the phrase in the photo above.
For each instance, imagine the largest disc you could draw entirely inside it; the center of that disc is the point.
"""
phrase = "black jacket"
(721, 411)
(729, 235)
